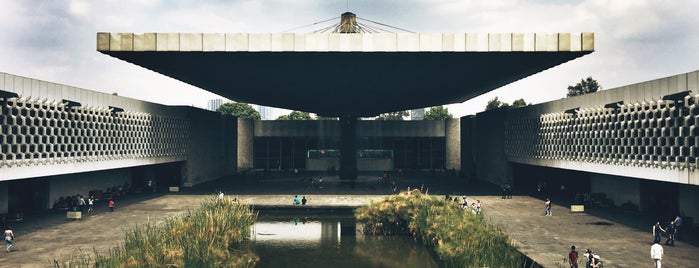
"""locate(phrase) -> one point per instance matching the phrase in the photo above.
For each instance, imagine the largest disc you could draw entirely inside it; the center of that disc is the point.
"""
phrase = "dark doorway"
(28, 195)
(543, 182)
(660, 199)
(169, 174)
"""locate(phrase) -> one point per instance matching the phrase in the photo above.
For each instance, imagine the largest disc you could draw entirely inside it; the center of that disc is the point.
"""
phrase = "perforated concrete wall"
(41, 136)
(35, 132)
(651, 136)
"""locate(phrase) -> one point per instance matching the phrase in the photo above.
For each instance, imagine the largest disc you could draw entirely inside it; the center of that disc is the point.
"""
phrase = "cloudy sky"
(635, 40)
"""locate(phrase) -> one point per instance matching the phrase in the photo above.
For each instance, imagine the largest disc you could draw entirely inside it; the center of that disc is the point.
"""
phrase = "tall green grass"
(209, 236)
(458, 237)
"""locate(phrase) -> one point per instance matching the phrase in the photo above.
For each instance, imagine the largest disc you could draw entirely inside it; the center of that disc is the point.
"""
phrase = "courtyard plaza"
(622, 239)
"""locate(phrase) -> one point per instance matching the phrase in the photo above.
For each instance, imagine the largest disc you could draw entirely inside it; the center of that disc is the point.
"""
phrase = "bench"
(577, 208)
(74, 215)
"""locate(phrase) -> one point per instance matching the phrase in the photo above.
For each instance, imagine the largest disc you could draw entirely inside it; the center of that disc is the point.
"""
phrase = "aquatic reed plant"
(211, 235)
(457, 237)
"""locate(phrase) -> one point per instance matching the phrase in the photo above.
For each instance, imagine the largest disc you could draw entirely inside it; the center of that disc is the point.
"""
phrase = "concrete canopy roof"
(346, 74)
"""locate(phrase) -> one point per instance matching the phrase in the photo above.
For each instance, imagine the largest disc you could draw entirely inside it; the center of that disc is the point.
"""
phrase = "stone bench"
(577, 208)
(74, 215)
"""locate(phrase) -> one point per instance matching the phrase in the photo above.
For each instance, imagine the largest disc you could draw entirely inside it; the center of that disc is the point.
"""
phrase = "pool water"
(331, 242)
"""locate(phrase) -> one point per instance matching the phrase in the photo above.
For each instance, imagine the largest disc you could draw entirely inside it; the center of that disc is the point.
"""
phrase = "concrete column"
(4, 194)
(453, 143)
(348, 147)
(245, 137)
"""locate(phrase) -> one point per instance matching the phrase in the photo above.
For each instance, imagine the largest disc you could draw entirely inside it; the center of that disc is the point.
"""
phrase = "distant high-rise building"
(265, 112)
(417, 114)
(212, 105)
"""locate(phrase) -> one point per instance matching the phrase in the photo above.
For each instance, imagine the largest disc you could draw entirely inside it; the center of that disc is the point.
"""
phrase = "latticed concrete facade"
(39, 132)
(656, 134)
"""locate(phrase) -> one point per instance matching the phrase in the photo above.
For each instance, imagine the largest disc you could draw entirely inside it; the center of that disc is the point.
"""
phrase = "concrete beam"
(333, 42)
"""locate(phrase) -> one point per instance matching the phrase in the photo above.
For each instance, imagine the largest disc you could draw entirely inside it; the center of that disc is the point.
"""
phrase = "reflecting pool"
(331, 241)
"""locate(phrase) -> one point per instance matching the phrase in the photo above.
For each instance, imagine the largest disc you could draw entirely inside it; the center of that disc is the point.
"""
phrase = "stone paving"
(41, 238)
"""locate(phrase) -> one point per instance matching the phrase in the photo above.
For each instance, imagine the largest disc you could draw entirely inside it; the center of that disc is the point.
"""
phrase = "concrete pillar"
(348, 147)
(453, 143)
(245, 138)
(4, 194)
(468, 165)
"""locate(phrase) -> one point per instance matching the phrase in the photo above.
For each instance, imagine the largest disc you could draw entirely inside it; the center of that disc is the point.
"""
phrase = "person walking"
(657, 232)
(656, 253)
(548, 207)
(9, 237)
(81, 203)
(297, 200)
(111, 205)
(479, 206)
(90, 205)
(573, 257)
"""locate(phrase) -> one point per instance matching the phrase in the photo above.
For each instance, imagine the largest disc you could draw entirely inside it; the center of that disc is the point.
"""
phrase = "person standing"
(220, 195)
(657, 232)
(478, 207)
(656, 253)
(9, 237)
(111, 205)
(303, 201)
(297, 200)
(671, 231)
(573, 257)
(548, 207)
(678, 226)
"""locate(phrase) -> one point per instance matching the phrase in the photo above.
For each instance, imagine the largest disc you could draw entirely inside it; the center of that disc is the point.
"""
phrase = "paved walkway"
(41, 238)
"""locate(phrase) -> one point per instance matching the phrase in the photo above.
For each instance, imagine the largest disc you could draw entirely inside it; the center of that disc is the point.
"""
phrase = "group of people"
(79, 204)
(506, 191)
(592, 260)
(671, 231)
(301, 201)
(475, 206)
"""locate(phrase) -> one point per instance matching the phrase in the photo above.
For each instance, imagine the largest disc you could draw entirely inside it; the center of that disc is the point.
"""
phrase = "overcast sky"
(635, 40)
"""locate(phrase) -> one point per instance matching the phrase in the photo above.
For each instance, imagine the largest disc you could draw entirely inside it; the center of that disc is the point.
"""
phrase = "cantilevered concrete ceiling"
(346, 74)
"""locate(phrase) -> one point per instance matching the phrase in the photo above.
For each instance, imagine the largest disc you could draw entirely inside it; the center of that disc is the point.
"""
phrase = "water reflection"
(331, 242)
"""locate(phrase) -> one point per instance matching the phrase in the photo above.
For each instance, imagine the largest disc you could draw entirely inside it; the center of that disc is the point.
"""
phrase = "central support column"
(348, 147)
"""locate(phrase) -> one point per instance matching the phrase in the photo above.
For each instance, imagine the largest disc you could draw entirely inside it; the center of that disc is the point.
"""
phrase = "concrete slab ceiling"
(334, 74)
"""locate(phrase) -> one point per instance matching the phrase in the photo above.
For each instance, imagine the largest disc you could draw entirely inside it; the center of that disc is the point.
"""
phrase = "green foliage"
(209, 236)
(239, 109)
(585, 86)
(437, 113)
(458, 237)
(296, 115)
(400, 115)
(519, 103)
(496, 103)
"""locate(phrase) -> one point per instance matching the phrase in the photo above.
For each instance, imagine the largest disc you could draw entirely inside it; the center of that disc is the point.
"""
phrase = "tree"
(296, 115)
(494, 104)
(400, 115)
(519, 103)
(585, 86)
(239, 109)
(437, 113)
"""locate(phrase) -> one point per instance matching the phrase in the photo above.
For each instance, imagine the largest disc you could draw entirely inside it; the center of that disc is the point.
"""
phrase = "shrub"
(457, 237)
(209, 236)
